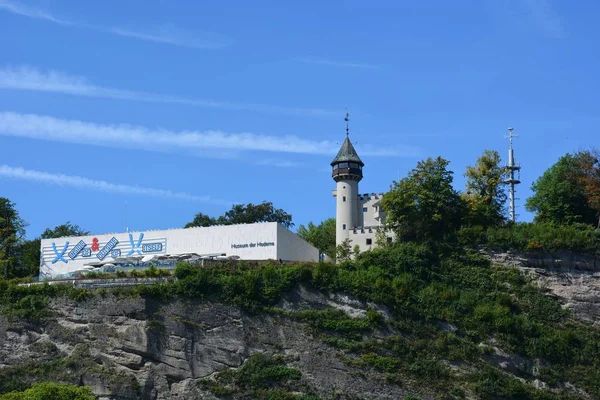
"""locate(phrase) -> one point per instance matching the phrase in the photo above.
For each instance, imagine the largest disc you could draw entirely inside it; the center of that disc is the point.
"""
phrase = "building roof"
(347, 153)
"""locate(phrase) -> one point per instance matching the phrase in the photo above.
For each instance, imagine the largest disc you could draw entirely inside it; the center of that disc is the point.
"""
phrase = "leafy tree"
(251, 213)
(51, 390)
(381, 238)
(201, 220)
(343, 251)
(29, 263)
(321, 236)
(485, 197)
(424, 206)
(589, 164)
(559, 196)
(63, 230)
(246, 214)
(12, 231)
(356, 251)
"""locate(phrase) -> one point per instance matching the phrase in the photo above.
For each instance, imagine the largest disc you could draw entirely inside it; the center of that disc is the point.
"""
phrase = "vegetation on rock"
(51, 390)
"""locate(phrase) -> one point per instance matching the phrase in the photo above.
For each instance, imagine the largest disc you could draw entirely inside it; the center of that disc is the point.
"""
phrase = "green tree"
(356, 251)
(559, 195)
(321, 236)
(51, 390)
(589, 164)
(245, 214)
(12, 231)
(485, 197)
(201, 219)
(29, 260)
(66, 229)
(343, 251)
(424, 206)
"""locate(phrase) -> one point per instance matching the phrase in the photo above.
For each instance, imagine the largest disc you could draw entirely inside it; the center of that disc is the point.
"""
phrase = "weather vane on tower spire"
(347, 125)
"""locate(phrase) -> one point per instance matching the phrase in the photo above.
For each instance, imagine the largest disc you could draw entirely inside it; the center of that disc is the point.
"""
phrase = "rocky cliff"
(469, 330)
(130, 348)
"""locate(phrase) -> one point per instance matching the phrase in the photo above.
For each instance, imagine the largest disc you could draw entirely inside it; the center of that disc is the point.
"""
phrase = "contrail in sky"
(202, 143)
(79, 182)
(166, 34)
(32, 79)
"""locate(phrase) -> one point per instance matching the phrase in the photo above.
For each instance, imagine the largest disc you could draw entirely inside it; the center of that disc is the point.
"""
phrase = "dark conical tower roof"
(347, 153)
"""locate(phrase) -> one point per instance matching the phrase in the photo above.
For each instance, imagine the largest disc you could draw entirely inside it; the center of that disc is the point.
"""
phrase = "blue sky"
(140, 114)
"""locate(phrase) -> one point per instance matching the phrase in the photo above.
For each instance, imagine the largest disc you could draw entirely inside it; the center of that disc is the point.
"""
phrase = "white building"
(358, 216)
(64, 257)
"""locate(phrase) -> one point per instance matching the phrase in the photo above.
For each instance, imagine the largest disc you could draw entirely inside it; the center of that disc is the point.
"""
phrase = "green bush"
(535, 237)
(51, 390)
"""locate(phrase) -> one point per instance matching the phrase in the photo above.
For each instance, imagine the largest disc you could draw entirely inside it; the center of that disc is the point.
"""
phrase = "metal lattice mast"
(511, 168)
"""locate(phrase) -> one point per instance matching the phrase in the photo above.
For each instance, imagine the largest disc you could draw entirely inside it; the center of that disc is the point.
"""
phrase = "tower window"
(344, 198)
(389, 240)
(369, 241)
(344, 226)
(365, 209)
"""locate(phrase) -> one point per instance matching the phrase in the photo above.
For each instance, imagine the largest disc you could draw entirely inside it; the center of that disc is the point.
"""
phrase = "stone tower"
(347, 172)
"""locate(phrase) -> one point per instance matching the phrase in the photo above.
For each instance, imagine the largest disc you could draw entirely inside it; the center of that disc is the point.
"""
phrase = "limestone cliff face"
(573, 278)
(132, 348)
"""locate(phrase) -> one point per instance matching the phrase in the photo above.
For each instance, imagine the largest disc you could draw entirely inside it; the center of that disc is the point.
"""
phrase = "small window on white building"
(344, 198)
(344, 226)
(389, 240)
(369, 241)
(365, 209)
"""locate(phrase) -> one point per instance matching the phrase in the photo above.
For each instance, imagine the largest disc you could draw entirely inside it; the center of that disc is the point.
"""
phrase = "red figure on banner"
(95, 245)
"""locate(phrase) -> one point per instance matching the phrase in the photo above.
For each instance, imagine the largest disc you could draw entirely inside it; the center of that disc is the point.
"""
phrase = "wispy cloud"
(544, 16)
(98, 185)
(29, 78)
(166, 34)
(30, 12)
(334, 63)
(202, 143)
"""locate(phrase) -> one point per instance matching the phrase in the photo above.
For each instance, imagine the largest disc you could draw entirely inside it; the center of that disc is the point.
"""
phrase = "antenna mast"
(347, 124)
(511, 168)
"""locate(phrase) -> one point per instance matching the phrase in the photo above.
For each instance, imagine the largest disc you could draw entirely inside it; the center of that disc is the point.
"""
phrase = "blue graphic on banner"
(77, 249)
(135, 248)
(109, 246)
(152, 247)
(115, 253)
(59, 256)
(86, 252)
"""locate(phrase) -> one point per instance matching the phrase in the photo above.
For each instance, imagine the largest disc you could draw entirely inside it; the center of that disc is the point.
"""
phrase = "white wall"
(259, 241)
(292, 247)
(372, 216)
(346, 208)
(361, 237)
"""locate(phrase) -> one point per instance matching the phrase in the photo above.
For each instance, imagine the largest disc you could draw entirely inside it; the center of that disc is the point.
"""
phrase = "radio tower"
(511, 168)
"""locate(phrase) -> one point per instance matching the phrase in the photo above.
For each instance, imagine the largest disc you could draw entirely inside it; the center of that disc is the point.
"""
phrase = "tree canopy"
(560, 195)
(485, 197)
(321, 236)
(12, 231)
(66, 229)
(245, 214)
(424, 206)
